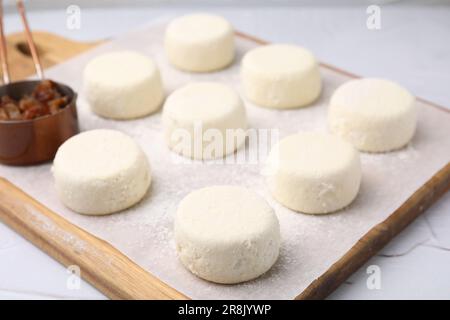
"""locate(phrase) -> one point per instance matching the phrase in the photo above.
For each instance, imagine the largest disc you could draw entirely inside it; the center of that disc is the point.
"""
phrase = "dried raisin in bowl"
(36, 140)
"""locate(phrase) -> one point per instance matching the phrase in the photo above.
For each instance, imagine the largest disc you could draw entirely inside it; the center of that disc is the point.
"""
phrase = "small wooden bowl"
(27, 142)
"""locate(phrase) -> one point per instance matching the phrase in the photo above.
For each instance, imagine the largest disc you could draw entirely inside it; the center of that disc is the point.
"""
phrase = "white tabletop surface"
(411, 47)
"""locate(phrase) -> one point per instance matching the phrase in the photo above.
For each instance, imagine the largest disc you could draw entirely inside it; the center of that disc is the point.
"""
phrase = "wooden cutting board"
(52, 50)
(112, 272)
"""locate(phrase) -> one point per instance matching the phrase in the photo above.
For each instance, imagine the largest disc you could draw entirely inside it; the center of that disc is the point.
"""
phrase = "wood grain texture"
(100, 264)
(52, 50)
(112, 272)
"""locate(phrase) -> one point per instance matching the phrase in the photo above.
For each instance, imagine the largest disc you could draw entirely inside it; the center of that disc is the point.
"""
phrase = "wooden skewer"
(29, 37)
(3, 54)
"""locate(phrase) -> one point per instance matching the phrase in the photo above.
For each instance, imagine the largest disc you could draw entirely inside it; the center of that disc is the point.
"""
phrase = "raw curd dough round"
(100, 172)
(280, 76)
(204, 120)
(375, 115)
(314, 173)
(200, 42)
(123, 85)
(226, 234)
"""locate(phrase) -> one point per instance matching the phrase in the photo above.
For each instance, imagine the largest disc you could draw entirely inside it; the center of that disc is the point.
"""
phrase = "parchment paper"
(311, 244)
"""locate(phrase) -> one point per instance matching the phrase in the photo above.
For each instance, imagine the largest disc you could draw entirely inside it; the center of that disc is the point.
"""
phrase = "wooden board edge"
(53, 49)
(100, 264)
(380, 235)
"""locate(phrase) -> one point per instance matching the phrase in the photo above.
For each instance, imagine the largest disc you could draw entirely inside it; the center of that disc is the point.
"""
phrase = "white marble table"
(411, 47)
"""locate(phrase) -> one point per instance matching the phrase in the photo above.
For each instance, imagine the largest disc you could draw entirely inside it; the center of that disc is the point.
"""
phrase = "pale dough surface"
(100, 172)
(281, 76)
(204, 120)
(199, 42)
(375, 115)
(123, 85)
(226, 234)
(314, 173)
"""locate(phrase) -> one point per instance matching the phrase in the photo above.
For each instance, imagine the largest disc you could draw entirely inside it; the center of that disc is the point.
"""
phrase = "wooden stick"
(101, 264)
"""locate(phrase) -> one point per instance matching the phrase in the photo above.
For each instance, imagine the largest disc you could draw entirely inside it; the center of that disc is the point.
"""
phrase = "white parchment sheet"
(311, 244)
